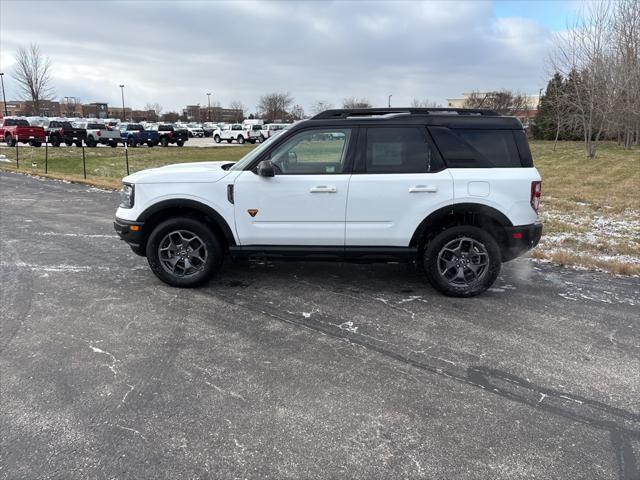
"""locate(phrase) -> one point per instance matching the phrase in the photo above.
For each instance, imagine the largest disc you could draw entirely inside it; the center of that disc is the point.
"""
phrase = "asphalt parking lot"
(299, 370)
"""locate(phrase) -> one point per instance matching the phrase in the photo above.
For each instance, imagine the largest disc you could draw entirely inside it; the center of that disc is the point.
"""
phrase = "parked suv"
(134, 134)
(453, 190)
(231, 132)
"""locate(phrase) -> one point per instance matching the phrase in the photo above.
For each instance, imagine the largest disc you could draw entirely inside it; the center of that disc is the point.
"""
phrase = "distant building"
(197, 113)
(24, 108)
(524, 115)
(95, 110)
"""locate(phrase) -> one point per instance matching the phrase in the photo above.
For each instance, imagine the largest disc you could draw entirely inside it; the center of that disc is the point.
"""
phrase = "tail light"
(536, 193)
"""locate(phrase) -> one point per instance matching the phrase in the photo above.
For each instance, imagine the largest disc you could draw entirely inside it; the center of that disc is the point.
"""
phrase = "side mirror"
(265, 169)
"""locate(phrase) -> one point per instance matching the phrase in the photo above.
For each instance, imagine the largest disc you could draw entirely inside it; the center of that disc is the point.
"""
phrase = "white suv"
(235, 131)
(454, 190)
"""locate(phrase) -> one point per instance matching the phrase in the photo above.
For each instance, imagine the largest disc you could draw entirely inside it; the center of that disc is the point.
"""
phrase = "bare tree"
(296, 113)
(33, 74)
(353, 102)
(239, 108)
(275, 106)
(425, 103)
(156, 107)
(505, 102)
(320, 106)
(586, 52)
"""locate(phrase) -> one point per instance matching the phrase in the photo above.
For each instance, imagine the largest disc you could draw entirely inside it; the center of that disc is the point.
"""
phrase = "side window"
(400, 150)
(321, 151)
(467, 148)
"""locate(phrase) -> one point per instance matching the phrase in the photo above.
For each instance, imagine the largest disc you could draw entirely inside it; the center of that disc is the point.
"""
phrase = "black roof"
(450, 117)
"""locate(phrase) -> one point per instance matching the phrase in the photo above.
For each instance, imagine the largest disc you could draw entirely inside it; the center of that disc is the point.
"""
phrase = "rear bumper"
(130, 232)
(521, 239)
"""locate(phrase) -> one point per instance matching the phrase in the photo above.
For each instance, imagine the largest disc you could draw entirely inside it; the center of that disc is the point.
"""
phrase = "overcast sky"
(173, 52)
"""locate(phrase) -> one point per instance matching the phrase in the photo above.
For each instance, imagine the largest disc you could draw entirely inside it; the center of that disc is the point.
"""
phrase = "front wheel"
(184, 252)
(462, 261)
(216, 139)
(180, 143)
(131, 142)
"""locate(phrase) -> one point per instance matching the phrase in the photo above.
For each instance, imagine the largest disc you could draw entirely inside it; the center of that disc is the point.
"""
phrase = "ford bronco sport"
(454, 190)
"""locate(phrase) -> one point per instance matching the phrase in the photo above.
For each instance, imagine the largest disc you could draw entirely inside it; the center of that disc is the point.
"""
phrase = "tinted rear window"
(65, 124)
(477, 148)
(135, 127)
(400, 150)
(165, 128)
(97, 126)
(16, 122)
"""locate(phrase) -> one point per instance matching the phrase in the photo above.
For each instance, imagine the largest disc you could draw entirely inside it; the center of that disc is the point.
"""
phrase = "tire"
(216, 139)
(10, 141)
(131, 142)
(262, 139)
(240, 139)
(162, 249)
(55, 142)
(180, 143)
(462, 244)
(91, 142)
(36, 143)
(164, 142)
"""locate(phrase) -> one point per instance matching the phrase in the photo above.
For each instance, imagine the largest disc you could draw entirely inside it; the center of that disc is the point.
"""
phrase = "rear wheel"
(91, 142)
(131, 142)
(180, 143)
(261, 138)
(184, 252)
(55, 141)
(240, 139)
(10, 141)
(36, 143)
(164, 142)
(462, 261)
(216, 139)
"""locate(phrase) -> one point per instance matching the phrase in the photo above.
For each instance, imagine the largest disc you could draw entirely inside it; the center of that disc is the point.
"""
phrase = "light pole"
(389, 101)
(124, 118)
(209, 106)
(4, 99)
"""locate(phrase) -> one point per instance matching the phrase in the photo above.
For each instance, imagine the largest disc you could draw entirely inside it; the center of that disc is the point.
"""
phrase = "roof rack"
(380, 113)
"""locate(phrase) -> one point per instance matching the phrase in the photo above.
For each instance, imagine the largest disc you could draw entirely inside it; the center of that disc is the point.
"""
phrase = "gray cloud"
(174, 52)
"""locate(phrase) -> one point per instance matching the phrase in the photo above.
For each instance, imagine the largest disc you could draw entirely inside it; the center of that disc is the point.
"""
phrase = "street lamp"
(209, 106)
(389, 102)
(124, 118)
(4, 99)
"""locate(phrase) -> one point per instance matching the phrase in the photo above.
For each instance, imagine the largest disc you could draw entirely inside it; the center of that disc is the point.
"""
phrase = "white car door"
(399, 180)
(304, 204)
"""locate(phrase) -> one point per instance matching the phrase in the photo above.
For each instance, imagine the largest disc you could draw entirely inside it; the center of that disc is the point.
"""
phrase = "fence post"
(126, 156)
(46, 154)
(17, 153)
(84, 163)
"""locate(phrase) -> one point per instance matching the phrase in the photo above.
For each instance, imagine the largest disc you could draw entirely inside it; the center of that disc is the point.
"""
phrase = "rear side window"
(477, 148)
(400, 150)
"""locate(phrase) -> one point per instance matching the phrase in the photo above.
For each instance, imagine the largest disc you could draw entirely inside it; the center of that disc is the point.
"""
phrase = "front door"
(304, 204)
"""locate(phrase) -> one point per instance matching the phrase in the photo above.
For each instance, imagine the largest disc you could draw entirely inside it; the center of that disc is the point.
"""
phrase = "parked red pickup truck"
(14, 130)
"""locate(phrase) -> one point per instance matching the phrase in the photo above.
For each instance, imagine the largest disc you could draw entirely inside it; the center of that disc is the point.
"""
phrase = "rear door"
(399, 180)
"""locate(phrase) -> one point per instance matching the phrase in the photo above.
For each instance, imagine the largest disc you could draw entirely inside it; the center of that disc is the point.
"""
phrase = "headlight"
(126, 195)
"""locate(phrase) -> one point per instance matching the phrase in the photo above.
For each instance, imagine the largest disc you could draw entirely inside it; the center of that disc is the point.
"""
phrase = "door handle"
(423, 188)
(323, 189)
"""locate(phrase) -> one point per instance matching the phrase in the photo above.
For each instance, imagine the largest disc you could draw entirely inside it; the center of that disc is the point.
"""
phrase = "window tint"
(313, 152)
(96, 126)
(400, 150)
(135, 126)
(54, 124)
(165, 128)
(477, 148)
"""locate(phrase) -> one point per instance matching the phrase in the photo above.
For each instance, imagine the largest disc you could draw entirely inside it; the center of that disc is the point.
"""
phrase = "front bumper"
(521, 239)
(132, 233)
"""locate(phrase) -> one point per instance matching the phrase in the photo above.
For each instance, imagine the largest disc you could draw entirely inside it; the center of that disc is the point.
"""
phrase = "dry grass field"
(590, 207)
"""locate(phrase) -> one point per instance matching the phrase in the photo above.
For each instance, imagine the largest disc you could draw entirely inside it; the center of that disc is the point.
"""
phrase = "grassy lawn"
(590, 207)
